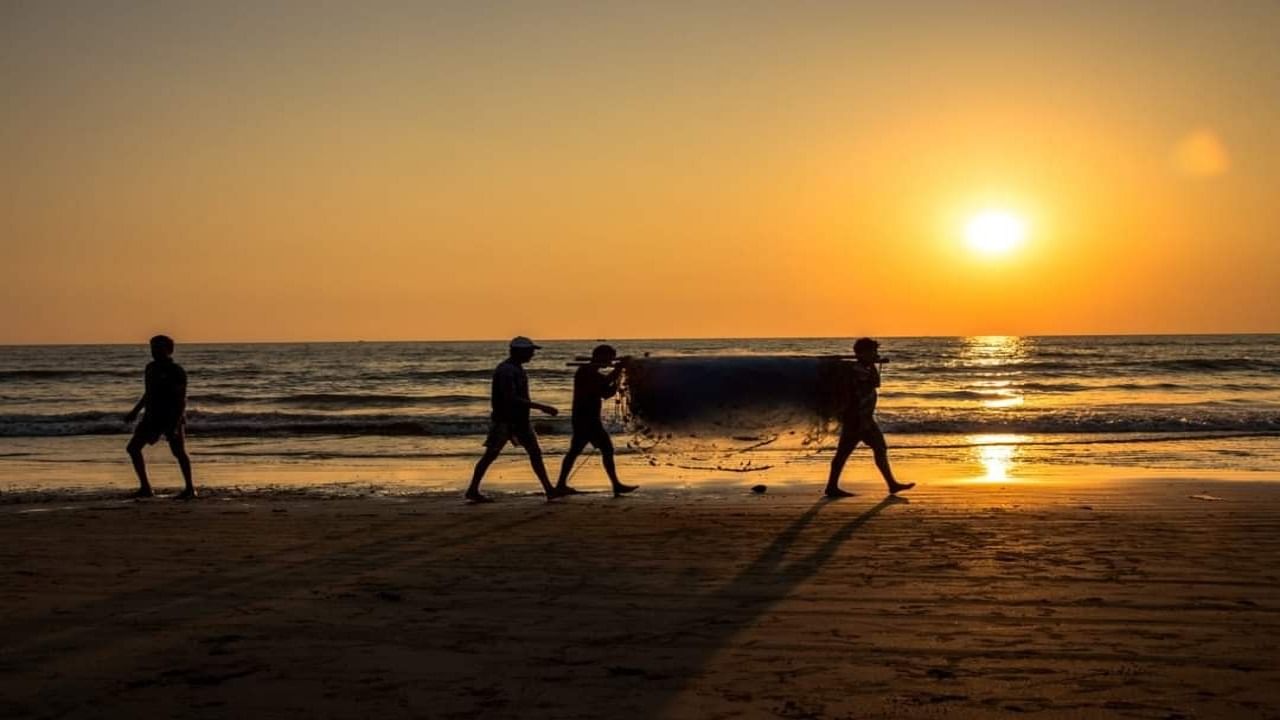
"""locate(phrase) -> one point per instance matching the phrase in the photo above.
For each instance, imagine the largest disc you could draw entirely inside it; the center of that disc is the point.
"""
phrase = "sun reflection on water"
(992, 352)
(1004, 401)
(995, 349)
(996, 454)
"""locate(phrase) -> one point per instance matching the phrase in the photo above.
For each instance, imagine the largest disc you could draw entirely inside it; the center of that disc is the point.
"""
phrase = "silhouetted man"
(590, 387)
(510, 419)
(165, 402)
(859, 422)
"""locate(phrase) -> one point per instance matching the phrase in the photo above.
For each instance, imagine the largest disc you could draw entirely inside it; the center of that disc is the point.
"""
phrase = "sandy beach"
(329, 270)
(1154, 599)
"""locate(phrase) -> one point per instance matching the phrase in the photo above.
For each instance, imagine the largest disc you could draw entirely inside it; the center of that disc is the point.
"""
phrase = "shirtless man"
(859, 422)
(165, 402)
(590, 387)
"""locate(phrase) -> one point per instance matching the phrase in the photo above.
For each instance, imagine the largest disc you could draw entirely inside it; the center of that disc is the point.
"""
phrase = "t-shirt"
(510, 396)
(166, 384)
(590, 387)
(865, 380)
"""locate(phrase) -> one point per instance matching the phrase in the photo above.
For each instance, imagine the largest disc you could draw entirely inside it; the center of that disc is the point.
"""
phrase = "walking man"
(859, 423)
(165, 402)
(510, 419)
(590, 388)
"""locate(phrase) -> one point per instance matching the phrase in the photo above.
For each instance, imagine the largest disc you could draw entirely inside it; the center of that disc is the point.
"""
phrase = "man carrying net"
(859, 422)
(590, 387)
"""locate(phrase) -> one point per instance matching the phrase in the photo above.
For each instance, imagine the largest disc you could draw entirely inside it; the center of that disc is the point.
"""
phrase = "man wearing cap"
(510, 419)
(859, 422)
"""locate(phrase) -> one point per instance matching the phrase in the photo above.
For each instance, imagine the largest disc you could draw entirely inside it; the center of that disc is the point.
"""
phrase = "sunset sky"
(402, 171)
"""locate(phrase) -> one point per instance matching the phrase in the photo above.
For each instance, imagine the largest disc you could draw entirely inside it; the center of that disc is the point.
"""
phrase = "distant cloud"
(1201, 154)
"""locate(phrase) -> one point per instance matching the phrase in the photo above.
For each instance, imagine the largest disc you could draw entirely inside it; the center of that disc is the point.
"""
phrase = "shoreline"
(70, 468)
(512, 480)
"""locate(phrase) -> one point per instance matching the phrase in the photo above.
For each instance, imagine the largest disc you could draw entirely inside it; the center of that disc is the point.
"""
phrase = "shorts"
(517, 432)
(593, 433)
(150, 430)
(865, 431)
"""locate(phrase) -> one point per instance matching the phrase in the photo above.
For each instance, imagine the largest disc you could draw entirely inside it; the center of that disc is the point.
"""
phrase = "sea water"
(1209, 402)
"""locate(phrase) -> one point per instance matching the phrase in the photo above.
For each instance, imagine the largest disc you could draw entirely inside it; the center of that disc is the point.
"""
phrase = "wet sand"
(1058, 600)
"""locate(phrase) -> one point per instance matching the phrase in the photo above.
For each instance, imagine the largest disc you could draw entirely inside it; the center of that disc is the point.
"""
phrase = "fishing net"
(707, 412)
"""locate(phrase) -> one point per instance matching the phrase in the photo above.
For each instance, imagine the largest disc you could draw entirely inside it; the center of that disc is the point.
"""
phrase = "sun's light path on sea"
(993, 359)
(995, 455)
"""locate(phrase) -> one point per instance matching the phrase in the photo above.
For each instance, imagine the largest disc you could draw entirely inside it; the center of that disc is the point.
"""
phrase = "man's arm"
(862, 375)
(508, 392)
(133, 414)
(864, 383)
(609, 382)
(546, 409)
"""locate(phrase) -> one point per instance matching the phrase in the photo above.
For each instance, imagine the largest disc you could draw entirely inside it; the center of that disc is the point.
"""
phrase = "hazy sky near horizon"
(432, 170)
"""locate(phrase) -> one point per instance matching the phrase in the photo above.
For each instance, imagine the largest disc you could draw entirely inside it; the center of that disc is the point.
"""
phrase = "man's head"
(161, 347)
(603, 355)
(522, 349)
(866, 349)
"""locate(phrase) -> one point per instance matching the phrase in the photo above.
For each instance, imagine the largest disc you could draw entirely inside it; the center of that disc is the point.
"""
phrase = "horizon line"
(641, 338)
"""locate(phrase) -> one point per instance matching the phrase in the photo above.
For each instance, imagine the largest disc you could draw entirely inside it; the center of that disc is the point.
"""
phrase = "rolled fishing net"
(705, 412)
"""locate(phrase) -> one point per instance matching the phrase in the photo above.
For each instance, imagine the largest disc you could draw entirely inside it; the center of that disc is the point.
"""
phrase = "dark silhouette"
(859, 421)
(165, 402)
(590, 387)
(510, 419)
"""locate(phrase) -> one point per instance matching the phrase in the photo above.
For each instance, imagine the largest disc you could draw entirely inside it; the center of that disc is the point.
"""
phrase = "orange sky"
(318, 171)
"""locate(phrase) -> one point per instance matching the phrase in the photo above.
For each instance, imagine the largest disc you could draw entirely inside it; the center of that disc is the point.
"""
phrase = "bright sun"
(994, 232)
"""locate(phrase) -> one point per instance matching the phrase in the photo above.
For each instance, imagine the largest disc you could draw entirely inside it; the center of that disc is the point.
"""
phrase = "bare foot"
(622, 489)
(142, 493)
(897, 487)
(188, 494)
(836, 493)
(562, 490)
(476, 498)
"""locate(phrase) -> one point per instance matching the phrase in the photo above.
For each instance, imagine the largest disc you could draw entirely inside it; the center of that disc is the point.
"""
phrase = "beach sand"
(1071, 599)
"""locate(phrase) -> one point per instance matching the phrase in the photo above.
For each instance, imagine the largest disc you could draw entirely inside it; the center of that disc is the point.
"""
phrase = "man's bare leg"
(134, 448)
(576, 445)
(611, 469)
(882, 462)
(179, 450)
(843, 451)
(540, 469)
(473, 490)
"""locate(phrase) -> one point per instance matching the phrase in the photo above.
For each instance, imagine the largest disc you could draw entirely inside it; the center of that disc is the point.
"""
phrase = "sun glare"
(994, 232)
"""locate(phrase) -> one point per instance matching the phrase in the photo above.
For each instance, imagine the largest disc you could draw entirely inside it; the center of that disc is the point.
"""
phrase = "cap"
(521, 342)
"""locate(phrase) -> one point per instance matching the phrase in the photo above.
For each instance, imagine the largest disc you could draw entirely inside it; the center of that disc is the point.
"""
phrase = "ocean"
(374, 411)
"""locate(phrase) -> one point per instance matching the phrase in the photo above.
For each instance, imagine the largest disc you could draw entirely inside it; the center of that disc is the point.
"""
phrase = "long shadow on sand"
(402, 614)
(714, 619)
